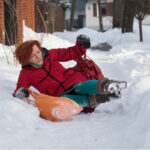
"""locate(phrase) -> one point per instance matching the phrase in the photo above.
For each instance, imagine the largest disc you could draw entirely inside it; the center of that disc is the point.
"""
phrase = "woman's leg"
(82, 100)
(88, 87)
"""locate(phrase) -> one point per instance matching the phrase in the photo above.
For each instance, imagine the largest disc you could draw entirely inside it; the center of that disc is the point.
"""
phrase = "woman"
(41, 69)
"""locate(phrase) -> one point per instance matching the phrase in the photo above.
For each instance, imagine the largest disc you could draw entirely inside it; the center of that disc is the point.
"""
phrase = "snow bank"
(122, 123)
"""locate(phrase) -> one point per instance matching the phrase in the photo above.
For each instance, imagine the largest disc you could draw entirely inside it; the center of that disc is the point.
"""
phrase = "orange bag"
(54, 108)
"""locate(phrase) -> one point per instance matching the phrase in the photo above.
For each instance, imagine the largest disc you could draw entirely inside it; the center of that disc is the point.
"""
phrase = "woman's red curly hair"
(24, 50)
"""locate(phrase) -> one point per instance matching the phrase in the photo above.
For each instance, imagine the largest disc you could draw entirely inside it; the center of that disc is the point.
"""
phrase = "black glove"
(84, 41)
(22, 93)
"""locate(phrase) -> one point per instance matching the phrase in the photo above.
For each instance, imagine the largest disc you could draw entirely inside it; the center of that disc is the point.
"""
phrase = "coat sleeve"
(22, 81)
(66, 54)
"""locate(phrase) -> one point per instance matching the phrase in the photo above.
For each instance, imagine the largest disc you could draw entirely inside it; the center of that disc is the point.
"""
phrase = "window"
(96, 11)
(103, 8)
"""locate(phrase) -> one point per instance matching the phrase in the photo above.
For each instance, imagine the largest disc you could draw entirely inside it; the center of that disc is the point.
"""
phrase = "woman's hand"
(84, 41)
(22, 93)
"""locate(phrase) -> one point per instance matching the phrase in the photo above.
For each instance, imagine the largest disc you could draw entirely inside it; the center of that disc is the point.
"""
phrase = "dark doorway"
(10, 21)
(80, 21)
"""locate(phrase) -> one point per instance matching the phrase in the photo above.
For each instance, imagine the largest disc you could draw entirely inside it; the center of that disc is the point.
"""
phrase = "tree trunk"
(100, 16)
(128, 17)
(142, 7)
(72, 14)
(118, 11)
(140, 31)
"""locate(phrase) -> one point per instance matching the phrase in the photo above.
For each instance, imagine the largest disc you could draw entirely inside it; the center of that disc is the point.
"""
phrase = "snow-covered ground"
(123, 123)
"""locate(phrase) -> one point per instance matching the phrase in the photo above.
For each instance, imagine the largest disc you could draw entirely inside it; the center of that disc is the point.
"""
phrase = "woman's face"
(36, 55)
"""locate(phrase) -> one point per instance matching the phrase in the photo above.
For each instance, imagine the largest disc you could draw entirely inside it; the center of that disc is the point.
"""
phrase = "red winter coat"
(52, 79)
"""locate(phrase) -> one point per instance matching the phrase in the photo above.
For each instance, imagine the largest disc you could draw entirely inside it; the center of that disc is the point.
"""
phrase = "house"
(39, 15)
(92, 20)
(92, 14)
(86, 13)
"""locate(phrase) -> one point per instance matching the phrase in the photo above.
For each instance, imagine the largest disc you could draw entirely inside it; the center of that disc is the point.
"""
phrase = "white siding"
(109, 1)
(91, 21)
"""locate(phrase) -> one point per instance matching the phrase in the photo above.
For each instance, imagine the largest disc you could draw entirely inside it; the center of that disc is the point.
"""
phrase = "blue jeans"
(81, 91)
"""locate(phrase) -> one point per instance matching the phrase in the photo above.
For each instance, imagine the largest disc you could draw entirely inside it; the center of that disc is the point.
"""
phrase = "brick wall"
(25, 11)
(19, 14)
(29, 13)
(40, 10)
(49, 17)
(2, 22)
(60, 19)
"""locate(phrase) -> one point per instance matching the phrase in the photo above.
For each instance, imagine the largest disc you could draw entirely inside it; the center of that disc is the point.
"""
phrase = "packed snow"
(123, 123)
